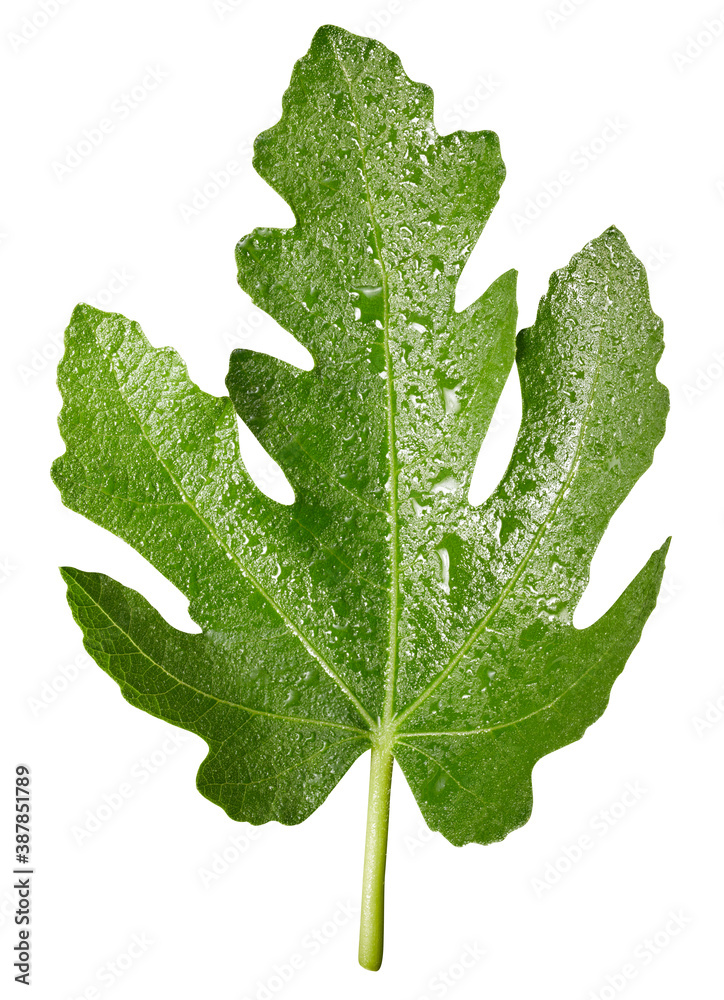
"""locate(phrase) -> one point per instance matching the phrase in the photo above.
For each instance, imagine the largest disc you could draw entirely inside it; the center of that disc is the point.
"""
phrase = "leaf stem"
(372, 919)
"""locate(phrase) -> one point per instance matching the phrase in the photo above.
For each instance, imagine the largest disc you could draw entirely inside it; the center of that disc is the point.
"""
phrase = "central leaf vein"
(391, 669)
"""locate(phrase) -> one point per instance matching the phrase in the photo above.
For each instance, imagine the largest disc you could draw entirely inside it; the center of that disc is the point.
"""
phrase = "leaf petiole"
(372, 918)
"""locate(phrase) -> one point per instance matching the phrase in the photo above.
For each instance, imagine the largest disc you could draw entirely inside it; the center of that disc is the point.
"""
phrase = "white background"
(547, 85)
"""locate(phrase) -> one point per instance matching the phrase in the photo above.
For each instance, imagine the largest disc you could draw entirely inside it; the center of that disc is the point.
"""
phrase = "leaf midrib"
(391, 668)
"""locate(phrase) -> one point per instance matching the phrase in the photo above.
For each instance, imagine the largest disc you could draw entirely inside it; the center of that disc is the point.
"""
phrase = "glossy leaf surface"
(379, 609)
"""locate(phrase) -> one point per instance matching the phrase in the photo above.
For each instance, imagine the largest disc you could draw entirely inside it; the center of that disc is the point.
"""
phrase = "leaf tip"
(70, 574)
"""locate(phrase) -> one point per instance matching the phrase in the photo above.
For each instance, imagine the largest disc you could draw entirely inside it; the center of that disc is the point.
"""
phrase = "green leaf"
(380, 610)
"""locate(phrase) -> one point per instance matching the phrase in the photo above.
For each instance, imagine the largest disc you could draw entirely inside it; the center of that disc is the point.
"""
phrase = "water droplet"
(446, 483)
(369, 303)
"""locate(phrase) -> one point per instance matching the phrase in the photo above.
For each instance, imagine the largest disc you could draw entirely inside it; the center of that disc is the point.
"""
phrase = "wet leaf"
(380, 610)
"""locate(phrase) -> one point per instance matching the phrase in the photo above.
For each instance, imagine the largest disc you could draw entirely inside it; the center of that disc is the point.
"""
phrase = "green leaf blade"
(276, 743)
(403, 387)
(380, 609)
(476, 786)
(162, 470)
(593, 413)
